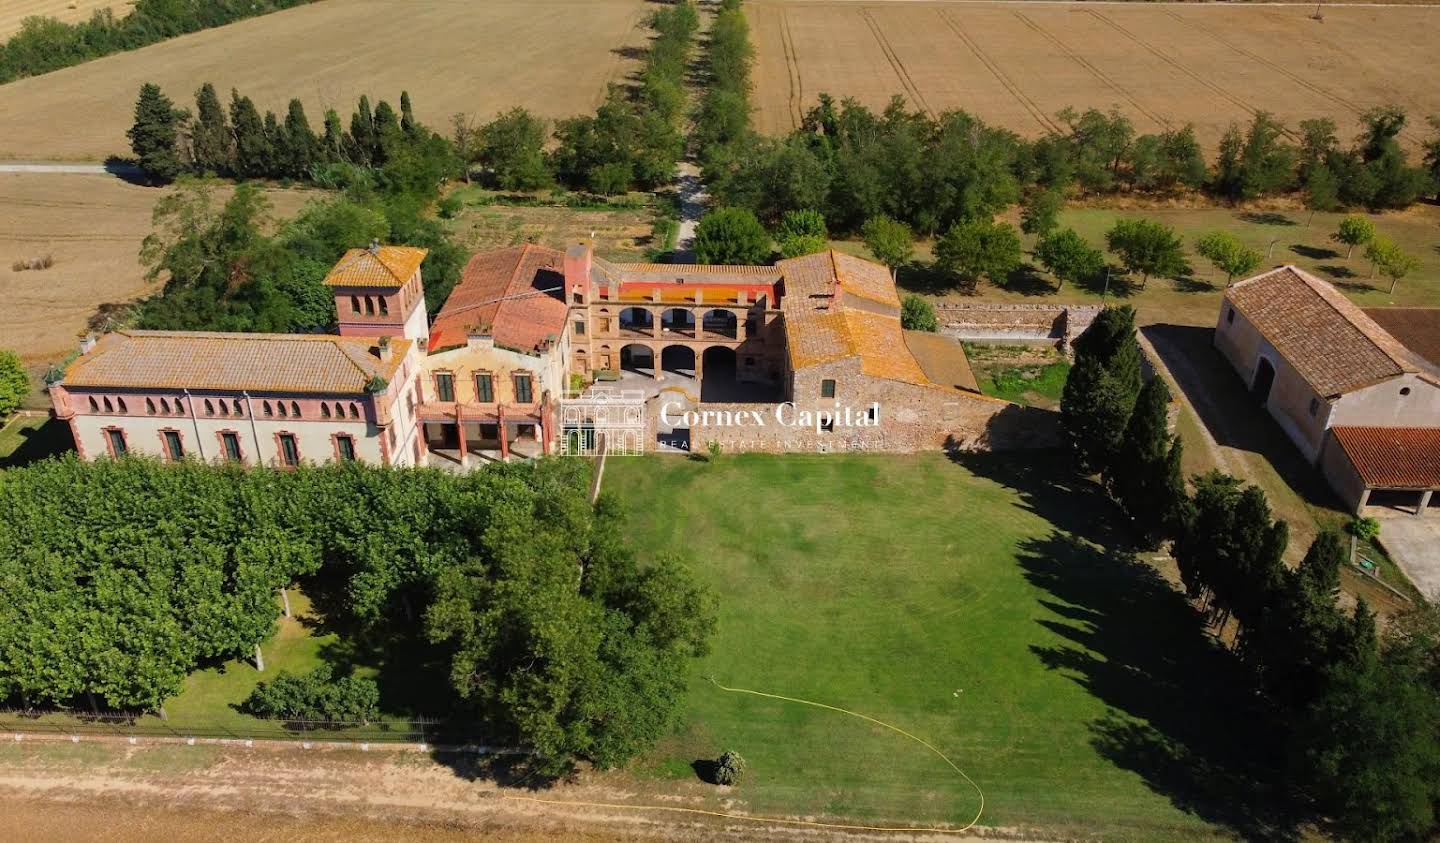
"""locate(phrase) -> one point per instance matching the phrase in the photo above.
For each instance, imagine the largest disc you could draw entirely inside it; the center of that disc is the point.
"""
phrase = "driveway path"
(1414, 544)
(692, 206)
(121, 170)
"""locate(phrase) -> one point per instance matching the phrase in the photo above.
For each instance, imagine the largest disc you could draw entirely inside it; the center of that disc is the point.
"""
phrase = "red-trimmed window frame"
(515, 378)
(109, 444)
(280, 449)
(335, 445)
(239, 445)
(165, 454)
(435, 381)
(489, 376)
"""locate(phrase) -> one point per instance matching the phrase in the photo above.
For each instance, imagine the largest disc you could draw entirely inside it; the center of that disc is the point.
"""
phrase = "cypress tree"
(387, 131)
(301, 145)
(1145, 475)
(332, 147)
(211, 143)
(1096, 407)
(253, 152)
(362, 134)
(407, 116)
(279, 146)
(154, 136)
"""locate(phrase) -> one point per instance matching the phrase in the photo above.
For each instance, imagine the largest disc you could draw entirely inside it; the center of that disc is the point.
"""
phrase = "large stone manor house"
(525, 326)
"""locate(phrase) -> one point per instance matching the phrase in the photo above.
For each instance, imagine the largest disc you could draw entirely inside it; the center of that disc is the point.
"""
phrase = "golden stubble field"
(1016, 65)
(92, 226)
(14, 12)
(551, 56)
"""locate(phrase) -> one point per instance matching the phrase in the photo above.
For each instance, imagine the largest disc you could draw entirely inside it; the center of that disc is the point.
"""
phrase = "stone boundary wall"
(981, 321)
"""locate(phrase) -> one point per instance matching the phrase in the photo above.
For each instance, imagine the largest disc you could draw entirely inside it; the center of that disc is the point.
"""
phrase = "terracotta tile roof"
(1327, 338)
(387, 266)
(515, 295)
(830, 273)
(1417, 328)
(304, 363)
(1393, 457)
(942, 359)
(881, 345)
(695, 273)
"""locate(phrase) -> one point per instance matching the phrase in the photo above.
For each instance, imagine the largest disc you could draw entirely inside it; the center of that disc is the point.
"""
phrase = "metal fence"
(71, 723)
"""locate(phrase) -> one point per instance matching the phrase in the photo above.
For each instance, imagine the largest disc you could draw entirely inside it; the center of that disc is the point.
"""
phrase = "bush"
(729, 767)
(731, 236)
(14, 382)
(317, 695)
(917, 314)
(450, 206)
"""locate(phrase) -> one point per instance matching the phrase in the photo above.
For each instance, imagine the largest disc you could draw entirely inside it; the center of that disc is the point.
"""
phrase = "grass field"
(969, 604)
(92, 227)
(14, 12)
(1207, 64)
(1030, 375)
(1195, 299)
(619, 234)
(551, 56)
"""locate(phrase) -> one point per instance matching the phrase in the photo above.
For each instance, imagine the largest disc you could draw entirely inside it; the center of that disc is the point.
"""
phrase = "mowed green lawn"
(966, 603)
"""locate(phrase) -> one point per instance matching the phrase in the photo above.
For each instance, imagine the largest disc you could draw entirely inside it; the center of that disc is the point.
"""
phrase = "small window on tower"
(354, 304)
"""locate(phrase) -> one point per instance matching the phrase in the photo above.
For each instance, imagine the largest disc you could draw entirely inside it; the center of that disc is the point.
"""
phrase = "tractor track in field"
(895, 63)
(1020, 96)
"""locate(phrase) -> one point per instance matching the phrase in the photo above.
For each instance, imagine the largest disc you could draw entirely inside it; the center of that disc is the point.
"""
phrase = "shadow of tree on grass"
(1180, 709)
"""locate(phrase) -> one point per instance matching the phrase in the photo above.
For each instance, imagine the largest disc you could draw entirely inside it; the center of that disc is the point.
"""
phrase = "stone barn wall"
(982, 321)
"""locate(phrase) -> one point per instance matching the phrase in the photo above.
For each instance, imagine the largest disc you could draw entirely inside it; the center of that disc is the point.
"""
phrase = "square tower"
(378, 293)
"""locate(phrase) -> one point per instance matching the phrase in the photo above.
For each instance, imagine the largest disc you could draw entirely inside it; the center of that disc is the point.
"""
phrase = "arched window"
(109, 408)
(283, 412)
(179, 407)
(384, 307)
(369, 305)
(354, 304)
(295, 409)
(120, 402)
(354, 411)
(269, 411)
(324, 410)
(94, 408)
(239, 408)
(150, 406)
(209, 408)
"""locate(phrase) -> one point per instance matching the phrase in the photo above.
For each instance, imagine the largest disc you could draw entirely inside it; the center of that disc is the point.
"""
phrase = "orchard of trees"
(122, 576)
(1363, 708)
(934, 172)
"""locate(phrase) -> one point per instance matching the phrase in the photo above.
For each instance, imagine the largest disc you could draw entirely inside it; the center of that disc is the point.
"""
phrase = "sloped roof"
(515, 295)
(833, 273)
(943, 359)
(1329, 340)
(386, 266)
(305, 363)
(1393, 457)
(1417, 328)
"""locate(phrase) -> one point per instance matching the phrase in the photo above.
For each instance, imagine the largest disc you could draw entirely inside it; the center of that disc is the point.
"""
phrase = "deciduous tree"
(1146, 246)
(1069, 257)
(917, 314)
(1353, 231)
(731, 236)
(1228, 253)
(889, 241)
(979, 248)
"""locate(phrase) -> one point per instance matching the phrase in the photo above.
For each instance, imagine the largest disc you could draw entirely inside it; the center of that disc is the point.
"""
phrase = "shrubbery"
(315, 696)
(729, 767)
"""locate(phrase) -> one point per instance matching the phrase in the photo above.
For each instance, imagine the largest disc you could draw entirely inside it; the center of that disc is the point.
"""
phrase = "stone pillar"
(655, 318)
(699, 359)
(460, 435)
(504, 437)
(1424, 503)
(655, 364)
(1364, 499)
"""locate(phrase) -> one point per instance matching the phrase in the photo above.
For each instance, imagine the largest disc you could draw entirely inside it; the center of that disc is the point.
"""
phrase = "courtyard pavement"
(1414, 544)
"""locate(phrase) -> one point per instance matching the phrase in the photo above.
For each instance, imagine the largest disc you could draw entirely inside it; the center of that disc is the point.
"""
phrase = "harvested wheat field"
(91, 227)
(1016, 65)
(14, 12)
(551, 56)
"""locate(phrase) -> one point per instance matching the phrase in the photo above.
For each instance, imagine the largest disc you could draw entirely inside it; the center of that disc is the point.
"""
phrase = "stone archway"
(637, 321)
(678, 321)
(1264, 380)
(638, 358)
(719, 364)
(679, 359)
(721, 324)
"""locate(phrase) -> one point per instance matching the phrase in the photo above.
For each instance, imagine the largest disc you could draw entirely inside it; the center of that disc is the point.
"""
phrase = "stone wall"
(981, 321)
(907, 418)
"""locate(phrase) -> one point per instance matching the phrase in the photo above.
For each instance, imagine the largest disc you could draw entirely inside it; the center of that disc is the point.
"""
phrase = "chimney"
(374, 247)
(385, 351)
(577, 268)
(87, 343)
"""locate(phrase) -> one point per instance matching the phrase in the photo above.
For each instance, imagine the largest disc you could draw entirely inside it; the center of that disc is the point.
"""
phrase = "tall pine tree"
(1145, 476)
(1101, 390)
(302, 148)
(155, 134)
(253, 152)
(332, 146)
(211, 144)
(363, 140)
(407, 116)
